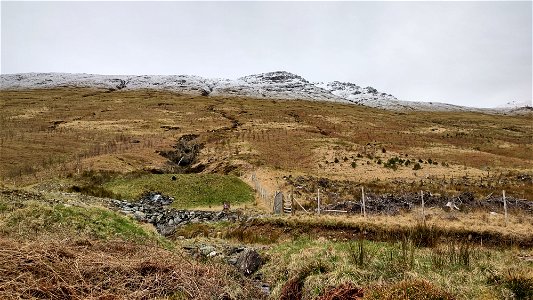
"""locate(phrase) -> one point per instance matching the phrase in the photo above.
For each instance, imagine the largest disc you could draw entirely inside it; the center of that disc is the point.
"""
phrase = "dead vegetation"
(89, 269)
(346, 291)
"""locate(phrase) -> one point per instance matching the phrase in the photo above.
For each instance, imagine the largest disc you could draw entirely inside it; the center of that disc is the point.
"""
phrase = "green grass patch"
(40, 219)
(386, 270)
(3, 206)
(188, 190)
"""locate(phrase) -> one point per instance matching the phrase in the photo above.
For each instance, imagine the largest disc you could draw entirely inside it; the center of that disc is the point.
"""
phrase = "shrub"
(392, 163)
(417, 166)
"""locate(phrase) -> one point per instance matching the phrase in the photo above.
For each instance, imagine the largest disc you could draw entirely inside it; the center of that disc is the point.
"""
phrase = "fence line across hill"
(264, 193)
(288, 204)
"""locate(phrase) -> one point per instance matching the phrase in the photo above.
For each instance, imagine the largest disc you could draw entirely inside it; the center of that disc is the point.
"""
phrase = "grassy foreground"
(51, 249)
(314, 267)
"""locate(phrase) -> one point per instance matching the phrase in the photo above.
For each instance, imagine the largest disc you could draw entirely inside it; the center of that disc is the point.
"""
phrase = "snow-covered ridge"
(515, 104)
(184, 83)
(272, 85)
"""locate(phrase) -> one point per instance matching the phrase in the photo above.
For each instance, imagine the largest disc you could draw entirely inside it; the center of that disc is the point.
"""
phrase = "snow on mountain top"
(516, 104)
(271, 85)
(277, 77)
(183, 83)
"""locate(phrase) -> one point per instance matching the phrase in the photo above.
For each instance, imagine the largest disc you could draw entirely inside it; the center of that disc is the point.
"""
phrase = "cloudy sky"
(467, 53)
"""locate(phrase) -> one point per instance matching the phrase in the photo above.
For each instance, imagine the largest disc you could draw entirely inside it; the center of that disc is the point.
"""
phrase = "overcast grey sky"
(466, 53)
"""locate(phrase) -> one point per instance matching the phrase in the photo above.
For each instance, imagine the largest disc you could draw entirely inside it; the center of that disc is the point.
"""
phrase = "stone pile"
(152, 208)
(155, 199)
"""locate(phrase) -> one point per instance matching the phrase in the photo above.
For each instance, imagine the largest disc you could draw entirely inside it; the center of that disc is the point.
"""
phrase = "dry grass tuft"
(292, 290)
(112, 270)
(411, 289)
(346, 291)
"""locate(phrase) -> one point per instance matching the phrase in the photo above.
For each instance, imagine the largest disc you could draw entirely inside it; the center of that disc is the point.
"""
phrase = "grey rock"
(265, 288)
(206, 250)
(140, 216)
(166, 230)
(232, 260)
(235, 250)
(248, 261)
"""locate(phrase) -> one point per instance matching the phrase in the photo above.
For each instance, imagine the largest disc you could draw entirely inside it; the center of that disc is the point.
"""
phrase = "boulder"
(248, 261)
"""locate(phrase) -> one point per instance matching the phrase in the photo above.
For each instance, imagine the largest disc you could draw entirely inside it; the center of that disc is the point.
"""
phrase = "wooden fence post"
(318, 202)
(363, 201)
(504, 207)
(423, 211)
(293, 207)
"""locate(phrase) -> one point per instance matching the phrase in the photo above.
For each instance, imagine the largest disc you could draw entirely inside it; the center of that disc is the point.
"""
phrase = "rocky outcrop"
(274, 85)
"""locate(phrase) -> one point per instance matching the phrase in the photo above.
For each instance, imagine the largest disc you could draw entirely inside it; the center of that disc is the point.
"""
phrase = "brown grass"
(87, 269)
(383, 228)
(41, 129)
(410, 290)
(346, 291)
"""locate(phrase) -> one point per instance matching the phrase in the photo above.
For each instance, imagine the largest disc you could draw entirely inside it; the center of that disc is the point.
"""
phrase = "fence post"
(293, 207)
(318, 202)
(363, 200)
(423, 211)
(505, 207)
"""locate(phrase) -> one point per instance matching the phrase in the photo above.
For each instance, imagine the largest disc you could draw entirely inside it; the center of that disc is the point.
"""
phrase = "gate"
(278, 203)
